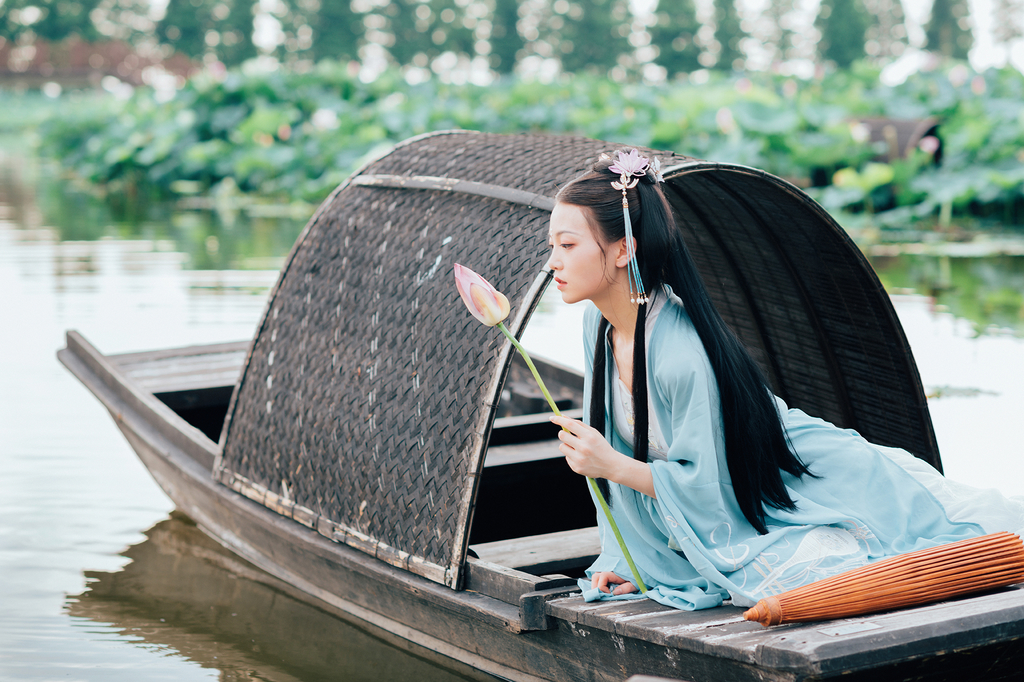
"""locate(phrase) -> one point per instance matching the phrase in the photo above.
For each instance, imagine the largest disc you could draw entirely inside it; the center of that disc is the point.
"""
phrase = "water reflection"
(185, 594)
(226, 234)
(986, 287)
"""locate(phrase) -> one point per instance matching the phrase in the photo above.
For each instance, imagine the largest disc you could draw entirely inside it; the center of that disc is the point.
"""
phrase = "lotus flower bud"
(486, 303)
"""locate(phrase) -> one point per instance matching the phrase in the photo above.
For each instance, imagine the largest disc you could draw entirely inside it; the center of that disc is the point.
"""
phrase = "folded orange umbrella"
(927, 575)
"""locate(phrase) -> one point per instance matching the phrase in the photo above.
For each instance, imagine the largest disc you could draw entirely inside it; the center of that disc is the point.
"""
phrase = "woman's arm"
(589, 454)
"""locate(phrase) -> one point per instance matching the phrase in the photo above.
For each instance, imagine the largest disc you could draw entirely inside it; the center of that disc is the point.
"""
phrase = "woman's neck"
(620, 313)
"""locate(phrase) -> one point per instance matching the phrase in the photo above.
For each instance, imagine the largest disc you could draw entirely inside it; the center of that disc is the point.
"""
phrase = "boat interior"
(533, 515)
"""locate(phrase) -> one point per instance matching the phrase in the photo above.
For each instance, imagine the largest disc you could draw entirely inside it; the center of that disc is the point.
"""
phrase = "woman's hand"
(609, 583)
(586, 450)
(589, 454)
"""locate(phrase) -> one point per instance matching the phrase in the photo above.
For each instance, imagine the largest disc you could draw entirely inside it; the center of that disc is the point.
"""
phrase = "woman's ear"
(622, 253)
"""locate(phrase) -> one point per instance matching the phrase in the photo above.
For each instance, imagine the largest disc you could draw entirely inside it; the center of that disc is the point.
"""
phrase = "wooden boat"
(377, 451)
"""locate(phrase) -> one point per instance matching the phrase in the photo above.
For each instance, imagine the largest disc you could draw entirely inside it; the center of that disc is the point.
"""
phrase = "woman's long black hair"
(756, 446)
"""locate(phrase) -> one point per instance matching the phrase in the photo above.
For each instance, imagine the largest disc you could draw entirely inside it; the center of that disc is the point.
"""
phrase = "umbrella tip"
(767, 612)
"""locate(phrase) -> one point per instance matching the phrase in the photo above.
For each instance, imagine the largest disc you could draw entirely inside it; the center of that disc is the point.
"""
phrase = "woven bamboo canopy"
(368, 395)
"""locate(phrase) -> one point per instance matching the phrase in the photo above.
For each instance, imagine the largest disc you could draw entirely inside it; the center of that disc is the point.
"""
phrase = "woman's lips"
(559, 283)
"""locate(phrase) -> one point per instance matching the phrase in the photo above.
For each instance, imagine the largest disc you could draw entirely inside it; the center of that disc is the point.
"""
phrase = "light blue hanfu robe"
(692, 544)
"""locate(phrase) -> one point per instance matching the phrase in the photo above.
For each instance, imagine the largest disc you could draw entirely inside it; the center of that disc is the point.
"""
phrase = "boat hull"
(977, 638)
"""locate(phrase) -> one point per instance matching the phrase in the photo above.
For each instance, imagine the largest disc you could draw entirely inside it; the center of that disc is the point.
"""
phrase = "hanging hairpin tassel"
(630, 168)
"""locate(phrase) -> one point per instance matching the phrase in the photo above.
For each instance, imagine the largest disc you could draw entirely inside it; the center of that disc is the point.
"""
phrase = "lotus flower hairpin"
(631, 167)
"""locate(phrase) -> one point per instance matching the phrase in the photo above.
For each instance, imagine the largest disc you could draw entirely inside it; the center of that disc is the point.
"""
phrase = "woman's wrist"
(634, 474)
(623, 465)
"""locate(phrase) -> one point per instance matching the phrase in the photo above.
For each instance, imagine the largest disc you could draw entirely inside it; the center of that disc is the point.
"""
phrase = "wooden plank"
(507, 584)
(652, 622)
(171, 369)
(575, 610)
(527, 428)
(551, 552)
(605, 617)
(183, 351)
(814, 651)
(520, 453)
(183, 369)
(869, 641)
(611, 656)
(533, 606)
(685, 629)
(121, 396)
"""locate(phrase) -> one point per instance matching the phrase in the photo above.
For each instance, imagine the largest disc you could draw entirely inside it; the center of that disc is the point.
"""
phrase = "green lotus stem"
(592, 482)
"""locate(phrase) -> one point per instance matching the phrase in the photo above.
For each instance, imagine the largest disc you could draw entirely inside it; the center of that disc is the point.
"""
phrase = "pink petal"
(484, 302)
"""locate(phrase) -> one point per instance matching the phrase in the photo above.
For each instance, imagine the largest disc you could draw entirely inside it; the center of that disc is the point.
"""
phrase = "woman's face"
(584, 268)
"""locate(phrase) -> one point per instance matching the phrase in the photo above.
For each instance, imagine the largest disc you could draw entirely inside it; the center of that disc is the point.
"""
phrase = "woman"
(718, 488)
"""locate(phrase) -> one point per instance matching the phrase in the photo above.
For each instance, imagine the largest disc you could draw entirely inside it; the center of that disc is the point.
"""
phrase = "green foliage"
(296, 136)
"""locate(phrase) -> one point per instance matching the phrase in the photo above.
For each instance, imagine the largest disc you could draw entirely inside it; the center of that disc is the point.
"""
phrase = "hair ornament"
(631, 167)
(656, 169)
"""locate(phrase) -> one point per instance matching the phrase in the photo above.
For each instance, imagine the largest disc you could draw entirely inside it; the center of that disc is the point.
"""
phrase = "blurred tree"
(948, 31)
(128, 20)
(588, 35)
(674, 34)
(51, 20)
(217, 27)
(725, 51)
(887, 30)
(423, 29)
(778, 14)
(506, 43)
(843, 25)
(315, 29)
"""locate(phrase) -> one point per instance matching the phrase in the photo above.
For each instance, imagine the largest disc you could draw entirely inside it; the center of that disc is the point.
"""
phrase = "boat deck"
(898, 645)
(184, 369)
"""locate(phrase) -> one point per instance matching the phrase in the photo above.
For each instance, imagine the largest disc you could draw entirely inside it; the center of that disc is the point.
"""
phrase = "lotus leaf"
(762, 118)
(237, 128)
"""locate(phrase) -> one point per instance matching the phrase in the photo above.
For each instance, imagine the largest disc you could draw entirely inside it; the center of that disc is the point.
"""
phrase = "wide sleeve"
(671, 579)
(694, 495)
